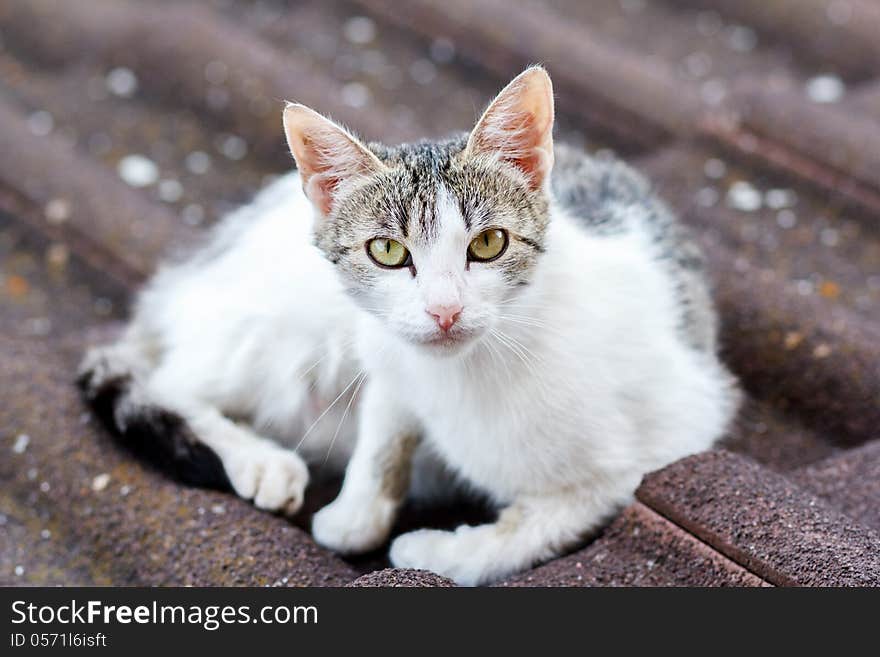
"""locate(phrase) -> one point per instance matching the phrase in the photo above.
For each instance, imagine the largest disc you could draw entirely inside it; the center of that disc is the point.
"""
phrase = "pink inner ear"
(316, 169)
(520, 136)
(532, 158)
(326, 158)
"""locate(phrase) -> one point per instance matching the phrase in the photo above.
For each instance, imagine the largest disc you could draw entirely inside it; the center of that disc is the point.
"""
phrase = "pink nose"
(445, 315)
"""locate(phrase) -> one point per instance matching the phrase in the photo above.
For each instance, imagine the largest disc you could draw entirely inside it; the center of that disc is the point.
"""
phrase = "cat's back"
(609, 198)
(259, 263)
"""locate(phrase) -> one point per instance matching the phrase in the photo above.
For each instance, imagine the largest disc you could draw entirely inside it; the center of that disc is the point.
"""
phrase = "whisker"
(363, 377)
(326, 410)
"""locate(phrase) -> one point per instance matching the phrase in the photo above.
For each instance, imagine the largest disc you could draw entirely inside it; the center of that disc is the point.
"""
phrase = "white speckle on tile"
(193, 214)
(57, 211)
(423, 71)
(777, 199)
(45, 486)
(32, 474)
(741, 38)
(715, 168)
(170, 190)
(21, 443)
(121, 82)
(40, 123)
(786, 219)
(698, 64)
(42, 326)
(805, 288)
(442, 50)
(218, 509)
(713, 91)
(829, 237)
(45, 534)
(19, 571)
(233, 147)
(138, 170)
(217, 97)
(355, 94)
(359, 30)
(100, 482)
(124, 490)
(744, 197)
(198, 162)
(825, 89)
(57, 256)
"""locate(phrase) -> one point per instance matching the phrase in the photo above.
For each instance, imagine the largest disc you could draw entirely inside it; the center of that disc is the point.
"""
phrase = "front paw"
(456, 555)
(273, 478)
(353, 527)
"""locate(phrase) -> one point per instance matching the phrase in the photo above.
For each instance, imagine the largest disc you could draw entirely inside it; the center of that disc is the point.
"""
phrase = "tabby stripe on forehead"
(401, 213)
(464, 210)
(428, 218)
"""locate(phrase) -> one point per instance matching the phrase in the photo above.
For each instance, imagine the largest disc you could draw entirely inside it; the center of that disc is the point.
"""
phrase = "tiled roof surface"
(758, 121)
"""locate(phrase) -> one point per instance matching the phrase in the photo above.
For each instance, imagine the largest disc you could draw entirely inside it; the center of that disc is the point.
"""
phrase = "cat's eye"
(387, 252)
(488, 245)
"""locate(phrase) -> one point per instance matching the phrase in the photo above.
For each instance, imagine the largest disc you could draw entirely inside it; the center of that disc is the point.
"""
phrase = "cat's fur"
(582, 358)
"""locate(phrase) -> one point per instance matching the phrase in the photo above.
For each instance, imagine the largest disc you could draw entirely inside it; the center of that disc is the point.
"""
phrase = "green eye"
(386, 252)
(488, 245)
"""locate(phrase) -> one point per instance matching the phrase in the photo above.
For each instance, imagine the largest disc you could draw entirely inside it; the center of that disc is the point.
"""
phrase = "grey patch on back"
(609, 198)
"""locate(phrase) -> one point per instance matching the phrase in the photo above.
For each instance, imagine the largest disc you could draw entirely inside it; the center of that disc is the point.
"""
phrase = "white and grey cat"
(487, 309)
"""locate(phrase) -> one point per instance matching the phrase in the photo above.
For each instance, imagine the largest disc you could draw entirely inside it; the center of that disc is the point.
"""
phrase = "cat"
(491, 310)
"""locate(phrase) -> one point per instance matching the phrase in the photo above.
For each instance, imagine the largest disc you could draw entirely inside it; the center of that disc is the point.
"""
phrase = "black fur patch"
(158, 436)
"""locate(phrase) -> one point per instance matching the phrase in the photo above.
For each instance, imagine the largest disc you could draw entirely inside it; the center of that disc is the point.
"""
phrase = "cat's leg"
(376, 479)
(258, 469)
(531, 530)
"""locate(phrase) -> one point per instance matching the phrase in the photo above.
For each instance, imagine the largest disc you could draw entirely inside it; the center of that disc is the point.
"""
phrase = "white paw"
(353, 527)
(274, 478)
(457, 555)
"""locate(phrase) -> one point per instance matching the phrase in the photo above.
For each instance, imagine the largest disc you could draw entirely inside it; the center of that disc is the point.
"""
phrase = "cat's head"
(434, 238)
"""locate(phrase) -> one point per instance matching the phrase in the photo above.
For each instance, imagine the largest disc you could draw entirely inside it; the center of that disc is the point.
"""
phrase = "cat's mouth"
(446, 341)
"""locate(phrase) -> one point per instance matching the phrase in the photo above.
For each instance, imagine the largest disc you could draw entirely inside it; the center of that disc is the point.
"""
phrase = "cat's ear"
(328, 156)
(517, 127)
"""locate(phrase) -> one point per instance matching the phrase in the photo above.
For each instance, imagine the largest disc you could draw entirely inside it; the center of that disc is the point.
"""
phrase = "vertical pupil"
(486, 239)
(387, 246)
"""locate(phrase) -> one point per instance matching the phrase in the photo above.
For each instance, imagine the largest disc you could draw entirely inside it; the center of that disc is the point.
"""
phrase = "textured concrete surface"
(401, 577)
(757, 121)
(640, 548)
(849, 482)
(764, 522)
